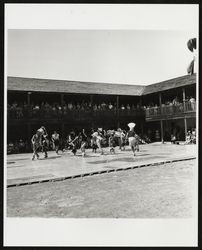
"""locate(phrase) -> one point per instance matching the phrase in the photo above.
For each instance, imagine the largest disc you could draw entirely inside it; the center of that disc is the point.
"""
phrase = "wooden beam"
(161, 122)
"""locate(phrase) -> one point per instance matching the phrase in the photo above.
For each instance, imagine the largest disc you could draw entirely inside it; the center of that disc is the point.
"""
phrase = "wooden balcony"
(30, 115)
(180, 110)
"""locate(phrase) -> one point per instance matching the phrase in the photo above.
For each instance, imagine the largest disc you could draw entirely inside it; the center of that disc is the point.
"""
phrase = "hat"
(131, 125)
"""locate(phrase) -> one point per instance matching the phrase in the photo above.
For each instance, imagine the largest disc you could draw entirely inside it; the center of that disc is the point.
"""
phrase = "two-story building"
(72, 105)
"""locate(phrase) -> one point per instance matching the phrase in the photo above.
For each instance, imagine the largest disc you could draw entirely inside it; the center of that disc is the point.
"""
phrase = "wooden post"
(63, 130)
(91, 99)
(185, 127)
(93, 112)
(162, 140)
(29, 104)
(160, 102)
(117, 111)
(28, 98)
(184, 99)
(29, 135)
(62, 99)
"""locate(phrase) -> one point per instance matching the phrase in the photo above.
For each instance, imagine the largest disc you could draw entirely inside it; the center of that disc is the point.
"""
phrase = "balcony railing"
(171, 109)
(27, 113)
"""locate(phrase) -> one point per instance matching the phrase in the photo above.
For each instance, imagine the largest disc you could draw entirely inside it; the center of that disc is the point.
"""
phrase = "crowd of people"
(45, 109)
(191, 137)
(172, 106)
(97, 139)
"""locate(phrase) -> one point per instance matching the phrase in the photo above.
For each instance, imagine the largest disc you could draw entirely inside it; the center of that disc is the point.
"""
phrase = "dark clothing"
(131, 133)
(83, 137)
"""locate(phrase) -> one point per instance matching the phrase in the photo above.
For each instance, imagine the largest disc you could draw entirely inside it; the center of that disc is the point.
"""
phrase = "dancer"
(83, 138)
(36, 144)
(55, 139)
(43, 140)
(132, 138)
(112, 142)
(120, 134)
(73, 142)
(93, 142)
(97, 136)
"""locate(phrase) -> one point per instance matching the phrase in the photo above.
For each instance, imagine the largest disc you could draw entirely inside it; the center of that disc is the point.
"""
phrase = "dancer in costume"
(56, 140)
(36, 144)
(97, 136)
(73, 142)
(83, 138)
(133, 138)
(112, 142)
(44, 140)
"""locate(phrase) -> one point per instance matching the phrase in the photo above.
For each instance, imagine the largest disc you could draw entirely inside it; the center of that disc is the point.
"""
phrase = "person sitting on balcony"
(59, 110)
(122, 107)
(65, 109)
(99, 107)
(133, 107)
(103, 105)
(155, 109)
(110, 106)
(94, 107)
(35, 110)
(70, 106)
(78, 106)
(128, 107)
(82, 107)
(19, 112)
(54, 110)
(175, 101)
(193, 103)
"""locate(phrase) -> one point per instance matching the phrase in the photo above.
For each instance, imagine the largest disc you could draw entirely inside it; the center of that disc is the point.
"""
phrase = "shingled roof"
(170, 84)
(63, 86)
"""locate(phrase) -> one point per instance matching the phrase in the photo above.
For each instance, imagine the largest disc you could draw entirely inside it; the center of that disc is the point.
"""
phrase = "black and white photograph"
(101, 121)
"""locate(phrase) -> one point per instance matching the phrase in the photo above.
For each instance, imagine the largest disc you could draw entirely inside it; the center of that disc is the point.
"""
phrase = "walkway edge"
(98, 172)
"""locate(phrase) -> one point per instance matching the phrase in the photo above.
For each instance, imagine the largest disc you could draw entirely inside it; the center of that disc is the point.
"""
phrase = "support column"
(160, 102)
(62, 99)
(162, 140)
(29, 135)
(63, 130)
(93, 112)
(28, 98)
(91, 99)
(29, 104)
(117, 110)
(184, 98)
(142, 130)
(185, 127)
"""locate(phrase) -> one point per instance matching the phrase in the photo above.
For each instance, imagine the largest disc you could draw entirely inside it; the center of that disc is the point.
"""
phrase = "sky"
(127, 44)
(113, 56)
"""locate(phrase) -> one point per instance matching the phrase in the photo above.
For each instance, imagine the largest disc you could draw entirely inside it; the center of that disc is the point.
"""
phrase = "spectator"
(193, 103)
(128, 107)
(122, 107)
(110, 106)
(70, 106)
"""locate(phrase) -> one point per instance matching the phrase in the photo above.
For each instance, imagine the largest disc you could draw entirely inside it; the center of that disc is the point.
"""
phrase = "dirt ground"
(164, 191)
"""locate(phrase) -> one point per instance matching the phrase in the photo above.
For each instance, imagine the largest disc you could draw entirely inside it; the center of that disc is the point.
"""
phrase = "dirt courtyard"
(163, 191)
